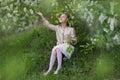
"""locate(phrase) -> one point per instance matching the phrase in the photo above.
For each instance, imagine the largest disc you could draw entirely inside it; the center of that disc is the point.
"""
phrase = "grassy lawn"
(25, 56)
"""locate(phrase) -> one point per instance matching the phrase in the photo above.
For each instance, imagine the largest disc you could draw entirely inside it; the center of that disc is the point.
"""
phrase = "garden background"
(25, 44)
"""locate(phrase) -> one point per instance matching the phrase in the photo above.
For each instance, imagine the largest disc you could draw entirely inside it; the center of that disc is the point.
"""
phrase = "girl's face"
(63, 18)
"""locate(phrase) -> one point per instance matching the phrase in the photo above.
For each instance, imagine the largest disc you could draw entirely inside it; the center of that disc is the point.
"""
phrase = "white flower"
(17, 14)
(25, 9)
(27, 1)
(106, 30)
(7, 7)
(9, 15)
(96, 2)
(117, 38)
(92, 3)
(11, 6)
(31, 11)
(102, 17)
(112, 22)
(15, 11)
(90, 17)
(14, 19)
(86, 9)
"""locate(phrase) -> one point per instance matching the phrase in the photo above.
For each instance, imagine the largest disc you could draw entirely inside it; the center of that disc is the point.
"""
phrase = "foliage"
(98, 39)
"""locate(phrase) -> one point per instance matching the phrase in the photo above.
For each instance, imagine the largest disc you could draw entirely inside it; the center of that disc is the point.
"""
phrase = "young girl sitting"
(65, 40)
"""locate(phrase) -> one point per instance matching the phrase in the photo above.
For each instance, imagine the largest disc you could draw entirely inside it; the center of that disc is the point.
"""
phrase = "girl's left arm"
(73, 36)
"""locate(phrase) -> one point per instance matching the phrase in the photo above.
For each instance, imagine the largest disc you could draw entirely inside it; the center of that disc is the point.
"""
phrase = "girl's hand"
(74, 42)
(39, 14)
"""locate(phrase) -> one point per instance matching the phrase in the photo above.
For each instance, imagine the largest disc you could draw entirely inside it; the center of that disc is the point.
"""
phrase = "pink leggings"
(55, 53)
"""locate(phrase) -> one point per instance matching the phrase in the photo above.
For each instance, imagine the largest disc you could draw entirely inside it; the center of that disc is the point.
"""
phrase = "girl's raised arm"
(46, 22)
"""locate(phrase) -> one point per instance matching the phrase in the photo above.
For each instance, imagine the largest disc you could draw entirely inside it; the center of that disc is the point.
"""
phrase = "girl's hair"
(68, 17)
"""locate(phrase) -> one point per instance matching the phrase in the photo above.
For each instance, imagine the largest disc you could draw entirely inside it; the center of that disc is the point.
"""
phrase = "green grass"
(25, 56)
(12, 59)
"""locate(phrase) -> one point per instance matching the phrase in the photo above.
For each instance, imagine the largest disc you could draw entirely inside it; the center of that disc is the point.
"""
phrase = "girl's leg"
(52, 60)
(59, 58)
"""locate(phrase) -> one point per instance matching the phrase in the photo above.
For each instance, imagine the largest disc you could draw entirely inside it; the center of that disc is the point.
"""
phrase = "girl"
(65, 40)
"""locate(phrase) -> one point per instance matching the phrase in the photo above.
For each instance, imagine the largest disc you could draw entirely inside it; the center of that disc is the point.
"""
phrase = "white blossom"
(14, 19)
(96, 2)
(90, 17)
(31, 11)
(112, 22)
(11, 6)
(9, 15)
(27, 1)
(116, 38)
(15, 11)
(92, 3)
(6, 7)
(102, 17)
(106, 30)
(25, 9)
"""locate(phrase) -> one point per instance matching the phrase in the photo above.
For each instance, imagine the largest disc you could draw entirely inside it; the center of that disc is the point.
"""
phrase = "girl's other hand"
(74, 42)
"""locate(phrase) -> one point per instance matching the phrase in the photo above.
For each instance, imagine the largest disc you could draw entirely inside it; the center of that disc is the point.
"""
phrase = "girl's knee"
(57, 50)
(54, 51)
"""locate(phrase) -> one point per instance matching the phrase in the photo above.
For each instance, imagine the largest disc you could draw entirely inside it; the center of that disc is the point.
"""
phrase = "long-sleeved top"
(63, 35)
